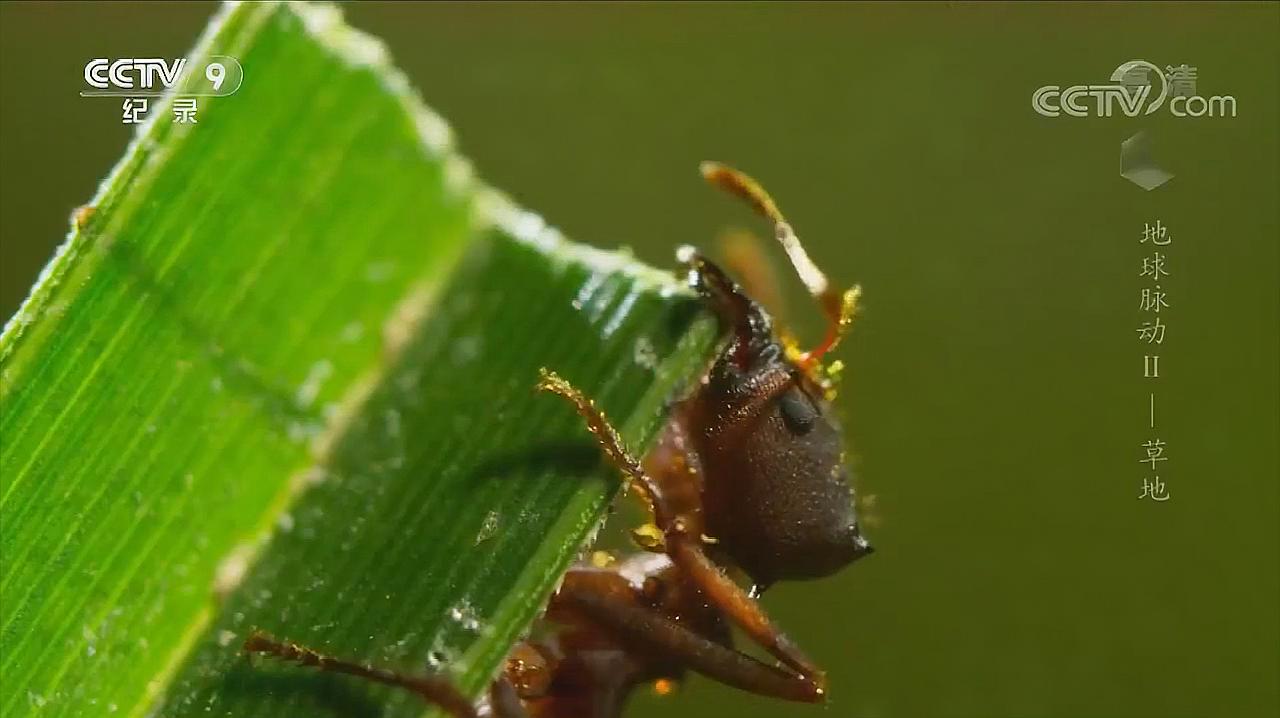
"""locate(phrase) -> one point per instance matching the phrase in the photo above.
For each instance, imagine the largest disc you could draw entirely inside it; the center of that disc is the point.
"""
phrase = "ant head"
(777, 490)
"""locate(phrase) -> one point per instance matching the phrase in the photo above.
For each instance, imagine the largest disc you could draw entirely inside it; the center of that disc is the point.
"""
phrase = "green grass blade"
(282, 377)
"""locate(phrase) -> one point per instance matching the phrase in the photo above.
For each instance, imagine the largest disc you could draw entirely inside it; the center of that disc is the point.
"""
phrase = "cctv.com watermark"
(1137, 88)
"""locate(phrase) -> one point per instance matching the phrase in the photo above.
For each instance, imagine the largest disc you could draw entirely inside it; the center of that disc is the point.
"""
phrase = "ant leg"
(607, 600)
(686, 552)
(609, 440)
(436, 690)
(839, 307)
(684, 546)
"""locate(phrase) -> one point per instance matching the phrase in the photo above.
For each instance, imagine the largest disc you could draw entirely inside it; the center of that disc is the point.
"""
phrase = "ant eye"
(798, 411)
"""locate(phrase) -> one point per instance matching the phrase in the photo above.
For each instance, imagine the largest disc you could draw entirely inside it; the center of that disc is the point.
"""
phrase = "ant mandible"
(749, 472)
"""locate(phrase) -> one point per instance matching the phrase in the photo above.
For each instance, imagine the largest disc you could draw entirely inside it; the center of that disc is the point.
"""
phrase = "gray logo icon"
(1138, 166)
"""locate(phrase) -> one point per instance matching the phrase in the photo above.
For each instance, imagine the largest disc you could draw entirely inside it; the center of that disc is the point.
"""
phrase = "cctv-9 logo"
(217, 76)
(224, 75)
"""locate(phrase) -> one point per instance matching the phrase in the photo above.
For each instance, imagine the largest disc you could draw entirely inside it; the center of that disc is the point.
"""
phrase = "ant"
(749, 473)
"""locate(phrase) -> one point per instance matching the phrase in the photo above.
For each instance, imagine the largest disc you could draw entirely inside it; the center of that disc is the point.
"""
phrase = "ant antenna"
(837, 306)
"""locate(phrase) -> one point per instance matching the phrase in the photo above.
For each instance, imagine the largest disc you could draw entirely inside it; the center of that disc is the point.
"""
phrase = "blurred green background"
(995, 396)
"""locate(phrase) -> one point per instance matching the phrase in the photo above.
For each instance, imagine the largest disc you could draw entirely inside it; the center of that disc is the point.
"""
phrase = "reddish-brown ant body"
(749, 473)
